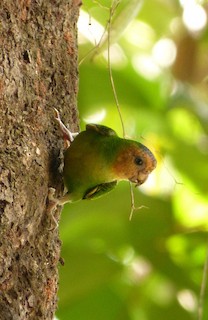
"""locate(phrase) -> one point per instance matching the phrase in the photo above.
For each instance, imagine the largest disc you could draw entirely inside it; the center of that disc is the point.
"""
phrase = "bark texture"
(38, 71)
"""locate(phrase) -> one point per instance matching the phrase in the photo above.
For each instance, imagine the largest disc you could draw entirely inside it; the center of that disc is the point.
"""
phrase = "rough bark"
(38, 71)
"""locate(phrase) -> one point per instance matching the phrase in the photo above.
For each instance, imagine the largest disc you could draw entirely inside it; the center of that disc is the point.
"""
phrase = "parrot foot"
(67, 134)
(52, 205)
(64, 199)
(51, 199)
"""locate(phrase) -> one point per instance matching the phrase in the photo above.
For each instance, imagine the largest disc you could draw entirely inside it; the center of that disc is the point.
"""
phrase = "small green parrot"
(97, 159)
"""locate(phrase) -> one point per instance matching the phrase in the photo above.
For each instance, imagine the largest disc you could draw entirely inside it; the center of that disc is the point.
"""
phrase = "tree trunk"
(38, 71)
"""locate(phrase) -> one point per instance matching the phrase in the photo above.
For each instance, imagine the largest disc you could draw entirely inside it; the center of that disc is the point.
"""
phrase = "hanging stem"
(112, 11)
(133, 208)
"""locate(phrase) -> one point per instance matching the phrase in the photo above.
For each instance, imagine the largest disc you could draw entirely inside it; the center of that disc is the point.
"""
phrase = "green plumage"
(87, 163)
(97, 159)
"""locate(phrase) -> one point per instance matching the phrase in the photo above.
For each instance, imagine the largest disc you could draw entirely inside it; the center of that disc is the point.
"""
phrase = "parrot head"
(134, 162)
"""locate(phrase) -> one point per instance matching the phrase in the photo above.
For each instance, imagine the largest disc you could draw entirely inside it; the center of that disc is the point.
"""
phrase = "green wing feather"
(99, 190)
(103, 130)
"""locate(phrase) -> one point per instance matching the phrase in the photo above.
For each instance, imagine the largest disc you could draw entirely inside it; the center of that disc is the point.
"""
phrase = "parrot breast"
(95, 161)
(88, 163)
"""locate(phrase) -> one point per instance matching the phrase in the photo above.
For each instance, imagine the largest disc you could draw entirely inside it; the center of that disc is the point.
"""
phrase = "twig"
(133, 208)
(112, 11)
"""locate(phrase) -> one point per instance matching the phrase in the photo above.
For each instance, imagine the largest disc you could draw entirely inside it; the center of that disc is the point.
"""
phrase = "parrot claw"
(52, 205)
(67, 135)
(52, 202)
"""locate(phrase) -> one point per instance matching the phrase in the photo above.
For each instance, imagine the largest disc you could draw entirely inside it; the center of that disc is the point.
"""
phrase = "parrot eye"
(138, 161)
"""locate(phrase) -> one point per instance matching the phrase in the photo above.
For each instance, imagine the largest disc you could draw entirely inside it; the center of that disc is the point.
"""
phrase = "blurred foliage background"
(149, 268)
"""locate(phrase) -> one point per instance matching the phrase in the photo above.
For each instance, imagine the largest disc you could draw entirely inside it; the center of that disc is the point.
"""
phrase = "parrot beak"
(142, 177)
